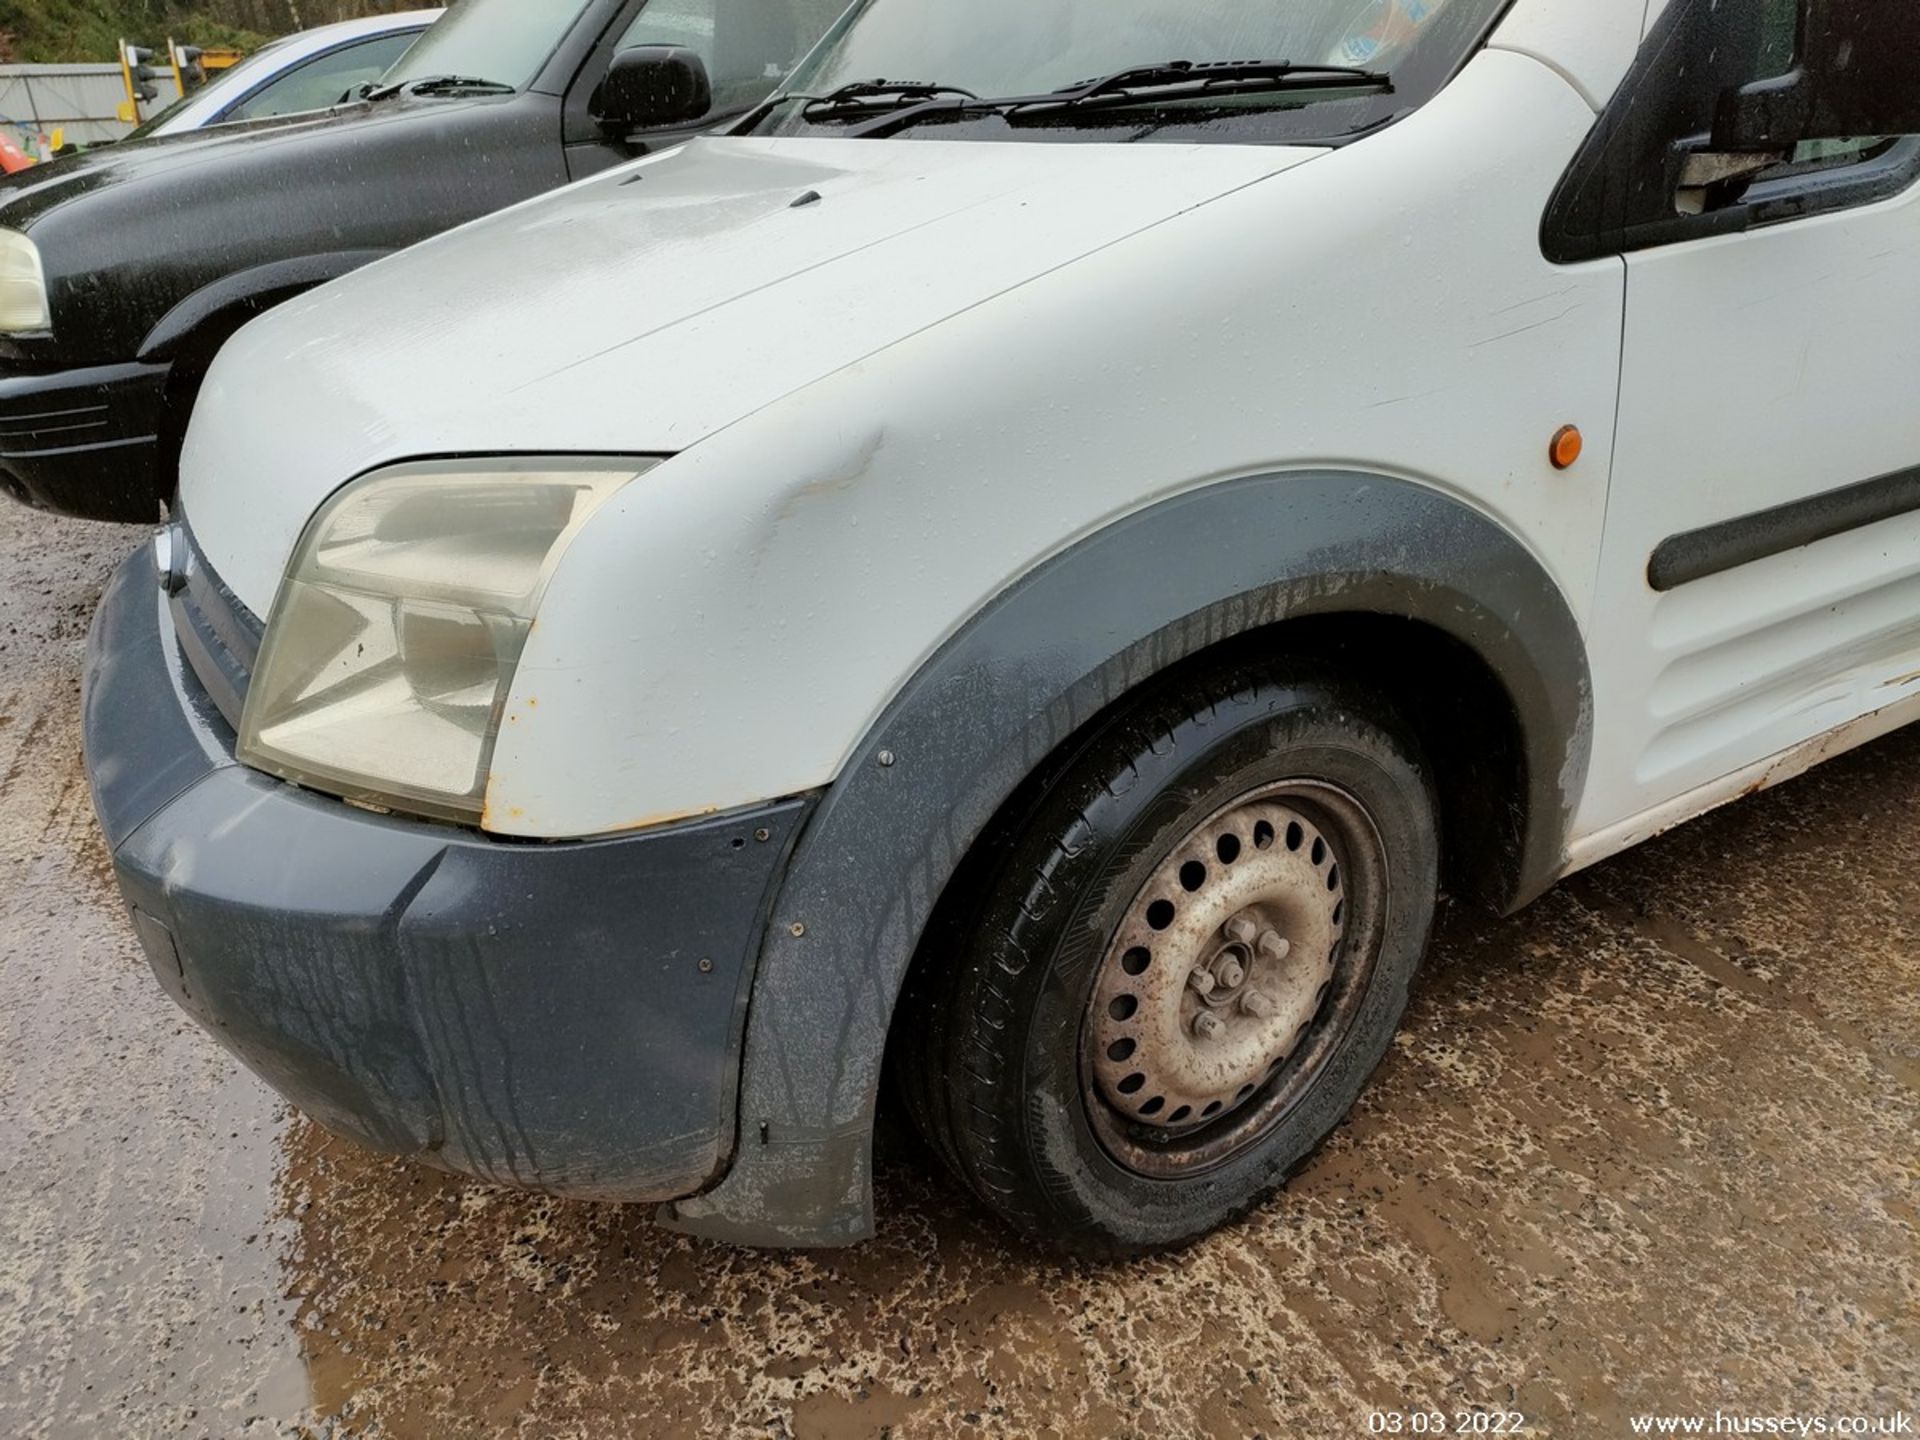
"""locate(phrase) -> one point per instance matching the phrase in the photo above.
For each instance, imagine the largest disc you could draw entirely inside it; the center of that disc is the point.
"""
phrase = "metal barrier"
(82, 100)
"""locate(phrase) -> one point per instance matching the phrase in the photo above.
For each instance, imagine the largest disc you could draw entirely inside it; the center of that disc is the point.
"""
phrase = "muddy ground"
(1649, 1147)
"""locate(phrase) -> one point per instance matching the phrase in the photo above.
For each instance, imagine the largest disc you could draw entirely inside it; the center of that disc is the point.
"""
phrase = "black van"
(124, 270)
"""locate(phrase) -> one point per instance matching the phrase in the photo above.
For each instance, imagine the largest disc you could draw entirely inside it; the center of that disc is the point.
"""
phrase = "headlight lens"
(23, 286)
(400, 624)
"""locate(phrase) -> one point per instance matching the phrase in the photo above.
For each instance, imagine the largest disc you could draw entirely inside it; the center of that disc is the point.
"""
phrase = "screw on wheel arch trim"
(1231, 978)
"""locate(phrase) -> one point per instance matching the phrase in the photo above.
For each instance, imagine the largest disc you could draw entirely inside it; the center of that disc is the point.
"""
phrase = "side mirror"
(651, 86)
(1857, 74)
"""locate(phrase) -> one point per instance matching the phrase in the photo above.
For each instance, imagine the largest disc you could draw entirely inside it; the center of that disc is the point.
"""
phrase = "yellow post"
(126, 78)
(173, 58)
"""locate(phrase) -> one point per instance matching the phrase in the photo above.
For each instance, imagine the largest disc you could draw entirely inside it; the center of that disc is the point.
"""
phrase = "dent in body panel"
(1293, 346)
(763, 301)
(840, 477)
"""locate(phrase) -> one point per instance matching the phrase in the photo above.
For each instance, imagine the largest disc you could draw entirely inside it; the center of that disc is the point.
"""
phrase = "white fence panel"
(83, 100)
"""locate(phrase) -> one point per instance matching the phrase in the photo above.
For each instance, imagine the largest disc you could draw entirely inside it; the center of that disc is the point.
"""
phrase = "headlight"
(400, 623)
(23, 286)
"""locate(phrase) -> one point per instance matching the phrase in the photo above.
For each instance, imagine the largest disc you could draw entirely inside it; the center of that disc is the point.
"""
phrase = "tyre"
(1177, 960)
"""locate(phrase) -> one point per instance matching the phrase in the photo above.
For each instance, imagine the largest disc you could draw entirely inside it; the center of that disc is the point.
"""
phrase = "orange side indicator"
(1567, 445)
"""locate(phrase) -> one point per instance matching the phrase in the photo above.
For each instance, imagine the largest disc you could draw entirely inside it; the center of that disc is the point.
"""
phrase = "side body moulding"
(1716, 549)
(1036, 665)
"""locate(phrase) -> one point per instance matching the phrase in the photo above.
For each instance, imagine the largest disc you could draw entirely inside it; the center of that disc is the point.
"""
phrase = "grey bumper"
(564, 1018)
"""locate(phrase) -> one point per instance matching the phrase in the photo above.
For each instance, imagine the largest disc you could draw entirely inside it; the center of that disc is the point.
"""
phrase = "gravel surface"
(1651, 1146)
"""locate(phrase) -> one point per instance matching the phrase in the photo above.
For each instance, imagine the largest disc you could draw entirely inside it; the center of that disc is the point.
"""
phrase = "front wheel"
(1192, 952)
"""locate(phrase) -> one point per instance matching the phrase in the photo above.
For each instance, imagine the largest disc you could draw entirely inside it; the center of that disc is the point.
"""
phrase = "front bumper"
(86, 442)
(563, 1018)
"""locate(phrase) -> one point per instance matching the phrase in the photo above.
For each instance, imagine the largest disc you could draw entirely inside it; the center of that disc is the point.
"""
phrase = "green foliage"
(57, 31)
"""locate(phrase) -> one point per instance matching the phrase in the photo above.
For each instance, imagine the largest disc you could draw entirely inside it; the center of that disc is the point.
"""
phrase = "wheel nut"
(1201, 979)
(1230, 973)
(1209, 1026)
(1241, 930)
(1275, 946)
(1256, 1004)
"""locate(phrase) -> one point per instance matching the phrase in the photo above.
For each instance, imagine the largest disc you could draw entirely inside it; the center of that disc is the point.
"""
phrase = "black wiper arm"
(442, 85)
(856, 95)
(1174, 80)
(458, 84)
(1187, 77)
(859, 97)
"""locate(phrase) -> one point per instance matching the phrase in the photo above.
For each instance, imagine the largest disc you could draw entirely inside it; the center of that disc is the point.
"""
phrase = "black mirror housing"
(651, 86)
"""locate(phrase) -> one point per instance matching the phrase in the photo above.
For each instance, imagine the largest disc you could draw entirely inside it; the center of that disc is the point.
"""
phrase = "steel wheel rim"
(1309, 869)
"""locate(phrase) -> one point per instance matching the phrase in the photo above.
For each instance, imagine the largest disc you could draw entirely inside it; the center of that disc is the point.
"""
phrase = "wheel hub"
(1218, 969)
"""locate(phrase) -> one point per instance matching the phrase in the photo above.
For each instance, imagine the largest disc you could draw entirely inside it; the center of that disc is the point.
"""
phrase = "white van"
(1024, 582)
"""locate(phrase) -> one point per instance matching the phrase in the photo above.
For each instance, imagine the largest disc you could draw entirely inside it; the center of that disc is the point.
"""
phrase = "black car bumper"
(86, 442)
(558, 1017)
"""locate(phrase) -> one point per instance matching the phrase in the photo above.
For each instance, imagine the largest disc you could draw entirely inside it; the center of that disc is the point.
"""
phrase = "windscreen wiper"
(1138, 85)
(857, 98)
(442, 85)
(1179, 79)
